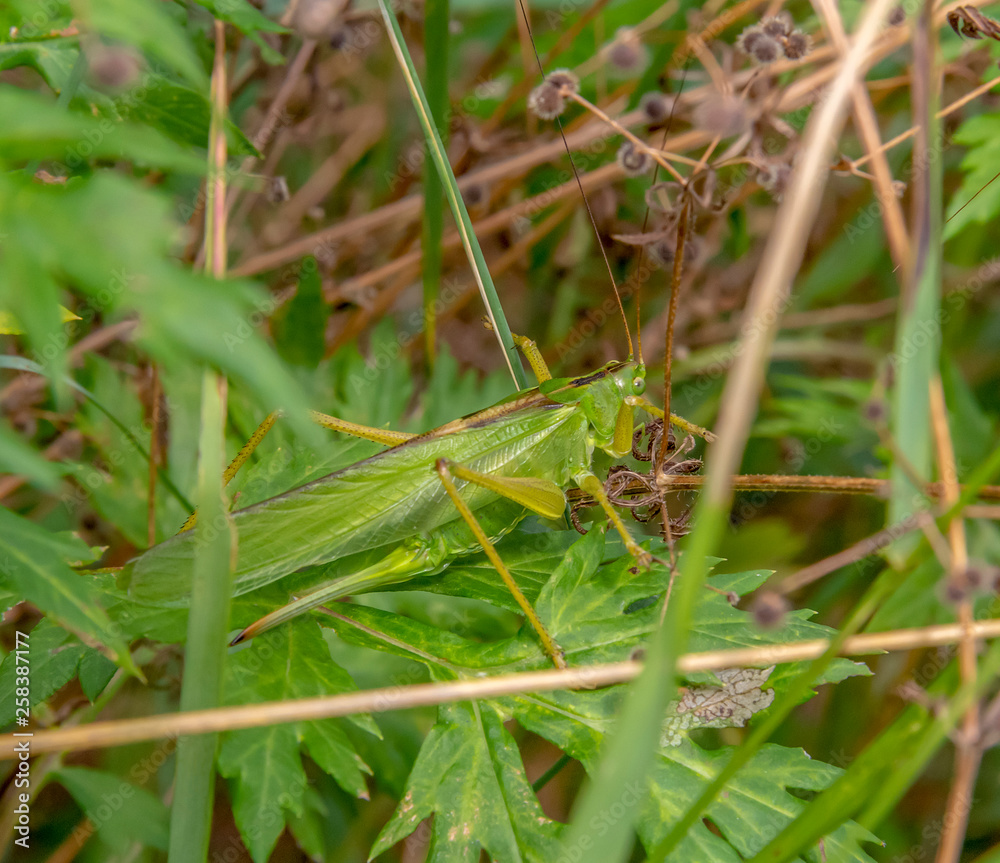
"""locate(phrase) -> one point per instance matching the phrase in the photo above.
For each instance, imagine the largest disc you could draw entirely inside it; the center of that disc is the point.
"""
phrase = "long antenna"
(645, 223)
(579, 183)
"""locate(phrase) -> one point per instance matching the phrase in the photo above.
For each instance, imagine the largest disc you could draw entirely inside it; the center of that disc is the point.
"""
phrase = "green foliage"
(101, 210)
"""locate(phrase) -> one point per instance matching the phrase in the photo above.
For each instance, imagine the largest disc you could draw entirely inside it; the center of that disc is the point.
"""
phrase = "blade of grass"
(461, 214)
(918, 334)
(436, 21)
(194, 786)
(191, 815)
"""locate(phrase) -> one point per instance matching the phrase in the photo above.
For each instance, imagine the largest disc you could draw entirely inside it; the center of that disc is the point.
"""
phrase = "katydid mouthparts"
(422, 503)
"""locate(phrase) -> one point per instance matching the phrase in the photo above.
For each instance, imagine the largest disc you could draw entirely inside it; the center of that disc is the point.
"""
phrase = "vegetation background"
(336, 262)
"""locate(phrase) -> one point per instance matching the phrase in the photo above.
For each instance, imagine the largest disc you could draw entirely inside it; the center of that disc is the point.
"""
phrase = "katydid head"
(604, 397)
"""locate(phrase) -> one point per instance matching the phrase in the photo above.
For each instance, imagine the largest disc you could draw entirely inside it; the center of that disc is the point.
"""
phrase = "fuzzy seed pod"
(546, 102)
(633, 161)
(766, 50)
(748, 38)
(777, 26)
(626, 53)
(656, 106)
(722, 114)
(113, 67)
(796, 45)
(769, 609)
(564, 80)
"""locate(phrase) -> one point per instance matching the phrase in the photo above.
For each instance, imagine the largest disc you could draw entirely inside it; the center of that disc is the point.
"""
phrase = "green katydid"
(428, 499)
(432, 497)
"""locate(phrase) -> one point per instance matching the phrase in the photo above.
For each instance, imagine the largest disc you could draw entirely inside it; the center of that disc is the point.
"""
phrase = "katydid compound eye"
(638, 385)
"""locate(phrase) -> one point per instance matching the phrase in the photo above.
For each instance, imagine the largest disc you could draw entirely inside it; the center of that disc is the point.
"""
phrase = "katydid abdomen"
(380, 502)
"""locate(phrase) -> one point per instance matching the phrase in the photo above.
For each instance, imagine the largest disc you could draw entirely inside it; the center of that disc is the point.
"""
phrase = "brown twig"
(121, 732)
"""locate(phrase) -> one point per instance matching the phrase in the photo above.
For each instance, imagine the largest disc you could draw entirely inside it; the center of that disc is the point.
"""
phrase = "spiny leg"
(446, 476)
(593, 486)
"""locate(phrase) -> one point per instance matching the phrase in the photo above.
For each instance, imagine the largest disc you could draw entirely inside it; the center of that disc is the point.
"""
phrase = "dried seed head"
(633, 161)
(565, 80)
(474, 194)
(769, 609)
(977, 577)
(954, 590)
(774, 177)
(113, 67)
(662, 252)
(875, 412)
(766, 50)
(656, 106)
(627, 53)
(796, 45)
(722, 114)
(277, 190)
(546, 102)
(749, 37)
(778, 25)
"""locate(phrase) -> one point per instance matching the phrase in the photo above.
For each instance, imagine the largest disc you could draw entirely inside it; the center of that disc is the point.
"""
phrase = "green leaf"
(182, 114)
(96, 671)
(18, 458)
(53, 59)
(299, 327)
(34, 563)
(248, 21)
(123, 264)
(977, 199)
(53, 658)
(263, 764)
(36, 128)
(121, 813)
(597, 612)
(469, 775)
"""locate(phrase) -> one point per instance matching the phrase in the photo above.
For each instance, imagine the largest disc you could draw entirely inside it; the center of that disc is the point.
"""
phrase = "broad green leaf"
(53, 59)
(977, 199)
(34, 563)
(36, 128)
(121, 813)
(180, 113)
(469, 776)
(122, 264)
(53, 658)
(601, 613)
(96, 671)
(264, 765)
(242, 15)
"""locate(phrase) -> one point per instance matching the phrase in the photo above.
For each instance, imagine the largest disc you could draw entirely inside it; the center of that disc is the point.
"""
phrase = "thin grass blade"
(469, 241)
